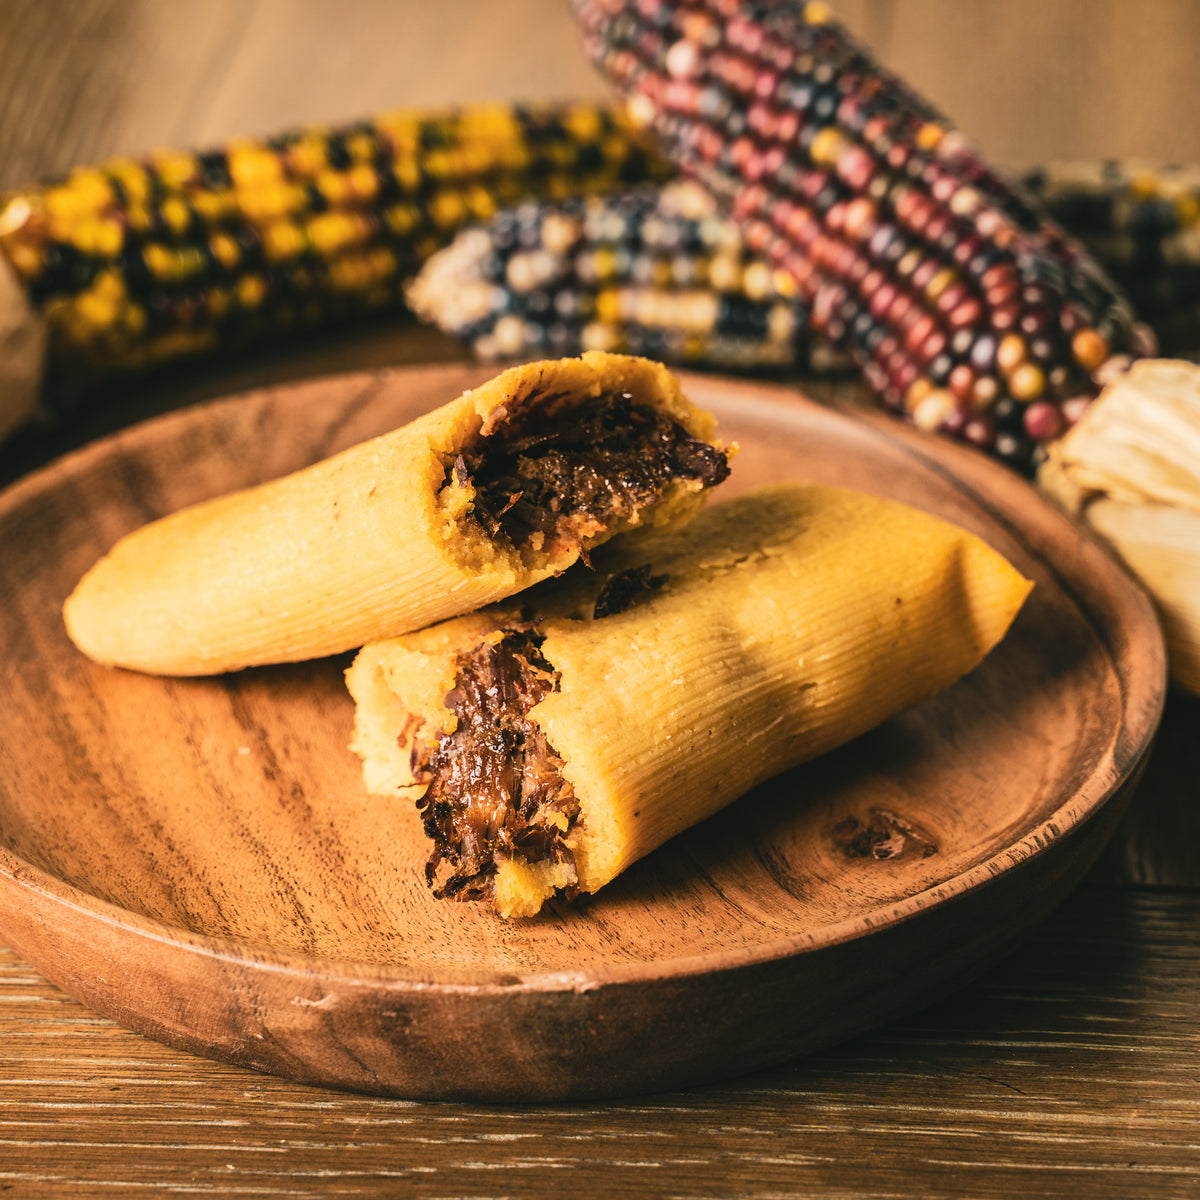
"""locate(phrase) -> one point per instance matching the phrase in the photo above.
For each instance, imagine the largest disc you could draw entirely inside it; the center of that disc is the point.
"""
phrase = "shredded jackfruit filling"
(559, 474)
(495, 788)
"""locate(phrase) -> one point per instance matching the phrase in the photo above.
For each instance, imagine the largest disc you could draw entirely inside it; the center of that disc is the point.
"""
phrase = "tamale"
(507, 485)
(553, 740)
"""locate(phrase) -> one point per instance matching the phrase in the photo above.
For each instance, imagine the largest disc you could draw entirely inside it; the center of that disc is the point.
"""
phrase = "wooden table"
(1072, 1069)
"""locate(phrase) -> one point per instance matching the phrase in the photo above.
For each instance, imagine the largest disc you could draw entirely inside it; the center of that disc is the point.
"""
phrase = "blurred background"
(1030, 80)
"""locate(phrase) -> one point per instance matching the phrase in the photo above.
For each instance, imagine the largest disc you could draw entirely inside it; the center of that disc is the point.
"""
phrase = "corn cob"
(133, 262)
(655, 270)
(501, 487)
(649, 271)
(1142, 222)
(961, 304)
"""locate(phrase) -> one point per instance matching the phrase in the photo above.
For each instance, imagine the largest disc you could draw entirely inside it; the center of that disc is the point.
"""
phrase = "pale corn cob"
(963, 306)
(770, 629)
(652, 271)
(130, 262)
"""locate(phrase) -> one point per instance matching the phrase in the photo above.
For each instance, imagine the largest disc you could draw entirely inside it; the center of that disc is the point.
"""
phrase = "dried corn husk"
(377, 540)
(1131, 470)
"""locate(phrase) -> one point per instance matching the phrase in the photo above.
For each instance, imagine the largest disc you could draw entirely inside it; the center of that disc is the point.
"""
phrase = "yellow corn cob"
(133, 262)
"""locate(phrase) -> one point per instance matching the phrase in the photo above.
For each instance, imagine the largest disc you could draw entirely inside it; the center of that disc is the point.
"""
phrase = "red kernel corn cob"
(961, 304)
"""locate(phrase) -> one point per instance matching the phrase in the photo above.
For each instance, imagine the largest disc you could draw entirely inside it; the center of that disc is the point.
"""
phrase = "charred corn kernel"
(650, 270)
(908, 251)
(211, 242)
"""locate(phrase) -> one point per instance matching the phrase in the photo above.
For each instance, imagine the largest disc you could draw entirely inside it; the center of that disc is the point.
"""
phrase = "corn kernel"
(252, 166)
(447, 209)
(225, 250)
(283, 240)
(939, 283)
(97, 310)
(1027, 382)
(251, 291)
(827, 146)
(929, 135)
(176, 214)
(174, 168)
(306, 156)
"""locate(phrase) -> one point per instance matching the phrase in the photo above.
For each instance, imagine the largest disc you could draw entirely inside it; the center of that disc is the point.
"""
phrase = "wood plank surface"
(1073, 1069)
(1069, 1070)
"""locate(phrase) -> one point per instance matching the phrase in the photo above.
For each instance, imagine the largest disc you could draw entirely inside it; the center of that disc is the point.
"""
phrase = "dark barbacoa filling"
(495, 788)
(620, 591)
(563, 465)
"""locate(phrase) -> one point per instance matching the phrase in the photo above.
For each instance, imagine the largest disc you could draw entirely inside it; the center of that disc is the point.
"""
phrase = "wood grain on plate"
(198, 859)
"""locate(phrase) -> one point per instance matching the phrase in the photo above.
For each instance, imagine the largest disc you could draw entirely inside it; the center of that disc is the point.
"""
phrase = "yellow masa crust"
(365, 545)
(793, 619)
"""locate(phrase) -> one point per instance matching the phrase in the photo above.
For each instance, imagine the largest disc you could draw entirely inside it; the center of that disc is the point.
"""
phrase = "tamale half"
(502, 487)
(551, 743)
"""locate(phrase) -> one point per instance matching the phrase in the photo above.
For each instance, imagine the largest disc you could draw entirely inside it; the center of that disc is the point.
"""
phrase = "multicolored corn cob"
(960, 302)
(651, 271)
(655, 270)
(134, 262)
(1142, 222)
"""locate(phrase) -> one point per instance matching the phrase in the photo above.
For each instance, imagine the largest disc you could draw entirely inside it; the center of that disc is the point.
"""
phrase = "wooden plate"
(198, 859)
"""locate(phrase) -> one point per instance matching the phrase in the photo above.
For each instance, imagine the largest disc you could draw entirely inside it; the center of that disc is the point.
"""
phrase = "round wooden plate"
(198, 858)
